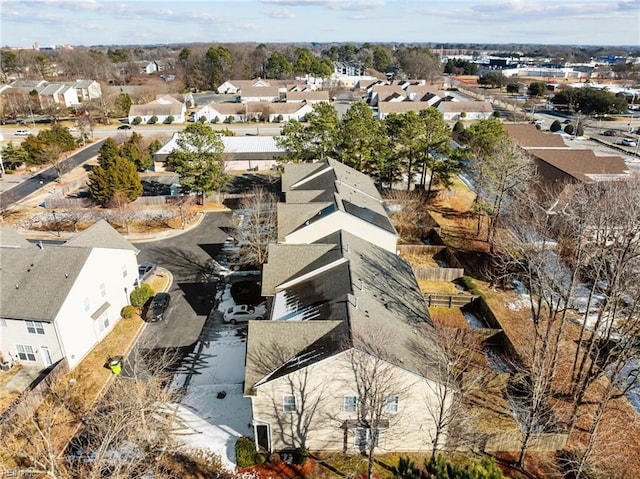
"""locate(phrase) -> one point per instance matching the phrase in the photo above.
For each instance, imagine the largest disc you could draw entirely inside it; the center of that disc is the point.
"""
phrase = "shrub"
(458, 127)
(231, 119)
(260, 458)
(141, 295)
(300, 456)
(137, 120)
(463, 114)
(128, 311)
(245, 452)
(555, 126)
(496, 114)
(202, 119)
(568, 129)
(471, 286)
(275, 458)
(279, 118)
(153, 120)
(216, 120)
(170, 119)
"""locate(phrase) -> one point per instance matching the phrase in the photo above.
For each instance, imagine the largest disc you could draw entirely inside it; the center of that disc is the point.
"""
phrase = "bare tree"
(258, 227)
(54, 155)
(456, 373)
(122, 209)
(378, 388)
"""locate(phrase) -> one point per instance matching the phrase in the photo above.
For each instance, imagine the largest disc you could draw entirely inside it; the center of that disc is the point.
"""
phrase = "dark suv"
(157, 307)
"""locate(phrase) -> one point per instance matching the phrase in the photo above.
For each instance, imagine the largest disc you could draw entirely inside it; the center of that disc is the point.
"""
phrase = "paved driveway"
(186, 256)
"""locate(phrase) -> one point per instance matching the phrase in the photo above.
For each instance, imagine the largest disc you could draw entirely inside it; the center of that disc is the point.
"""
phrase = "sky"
(112, 22)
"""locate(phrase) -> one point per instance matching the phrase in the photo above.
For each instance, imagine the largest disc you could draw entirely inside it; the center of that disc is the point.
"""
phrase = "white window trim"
(392, 404)
(355, 404)
(34, 327)
(27, 351)
(367, 437)
(103, 290)
(286, 405)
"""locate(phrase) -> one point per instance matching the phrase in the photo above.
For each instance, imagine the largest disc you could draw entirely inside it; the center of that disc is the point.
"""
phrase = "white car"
(243, 313)
(628, 142)
(22, 133)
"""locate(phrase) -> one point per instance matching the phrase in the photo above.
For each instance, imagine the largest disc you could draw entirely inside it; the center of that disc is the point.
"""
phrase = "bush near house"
(137, 120)
(170, 119)
(555, 126)
(153, 120)
(141, 295)
(128, 311)
(245, 452)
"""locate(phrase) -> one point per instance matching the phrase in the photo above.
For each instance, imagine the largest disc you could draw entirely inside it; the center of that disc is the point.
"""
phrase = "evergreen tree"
(198, 159)
(120, 175)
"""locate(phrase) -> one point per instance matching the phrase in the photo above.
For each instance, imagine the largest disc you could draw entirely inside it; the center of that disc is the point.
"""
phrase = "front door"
(262, 433)
(46, 356)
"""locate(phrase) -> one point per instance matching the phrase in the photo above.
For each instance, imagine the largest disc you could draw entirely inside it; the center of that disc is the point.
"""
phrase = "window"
(103, 321)
(124, 271)
(350, 403)
(289, 403)
(25, 352)
(87, 305)
(35, 327)
(391, 403)
(103, 290)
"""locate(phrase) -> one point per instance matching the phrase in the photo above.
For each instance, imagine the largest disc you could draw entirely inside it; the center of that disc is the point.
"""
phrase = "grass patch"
(437, 287)
(448, 317)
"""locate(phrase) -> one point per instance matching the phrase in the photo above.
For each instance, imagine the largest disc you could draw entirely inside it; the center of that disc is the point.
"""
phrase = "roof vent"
(356, 305)
(40, 245)
(17, 286)
(361, 285)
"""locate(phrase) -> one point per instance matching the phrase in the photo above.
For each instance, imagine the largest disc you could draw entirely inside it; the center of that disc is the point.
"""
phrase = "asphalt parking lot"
(188, 257)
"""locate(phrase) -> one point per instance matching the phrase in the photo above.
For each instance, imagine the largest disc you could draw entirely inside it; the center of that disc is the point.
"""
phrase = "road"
(46, 176)
(186, 257)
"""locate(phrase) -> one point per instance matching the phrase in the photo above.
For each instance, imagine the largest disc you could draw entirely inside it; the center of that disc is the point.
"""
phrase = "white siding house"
(59, 301)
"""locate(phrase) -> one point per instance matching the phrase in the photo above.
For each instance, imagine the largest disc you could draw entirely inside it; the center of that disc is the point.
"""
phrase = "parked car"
(72, 129)
(157, 307)
(124, 127)
(244, 312)
(22, 133)
(145, 270)
(628, 142)
(610, 133)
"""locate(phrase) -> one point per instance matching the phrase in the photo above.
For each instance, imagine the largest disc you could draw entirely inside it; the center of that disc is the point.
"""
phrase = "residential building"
(262, 93)
(340, 306)
(465, 110)
(388, 107)
(59, 301)
(310, 97)
(86, 89)
(328, 196)
(162, 108)
(558, 164)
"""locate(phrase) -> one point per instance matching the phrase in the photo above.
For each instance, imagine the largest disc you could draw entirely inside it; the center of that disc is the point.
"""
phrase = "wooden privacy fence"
(512, 441)
(438, 274)
(449, 300)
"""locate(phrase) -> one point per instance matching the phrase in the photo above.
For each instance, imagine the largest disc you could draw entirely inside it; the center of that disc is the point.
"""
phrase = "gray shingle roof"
(271, 344)
(373, 288)
(355, 194)
(35, 281)
(101, 235)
